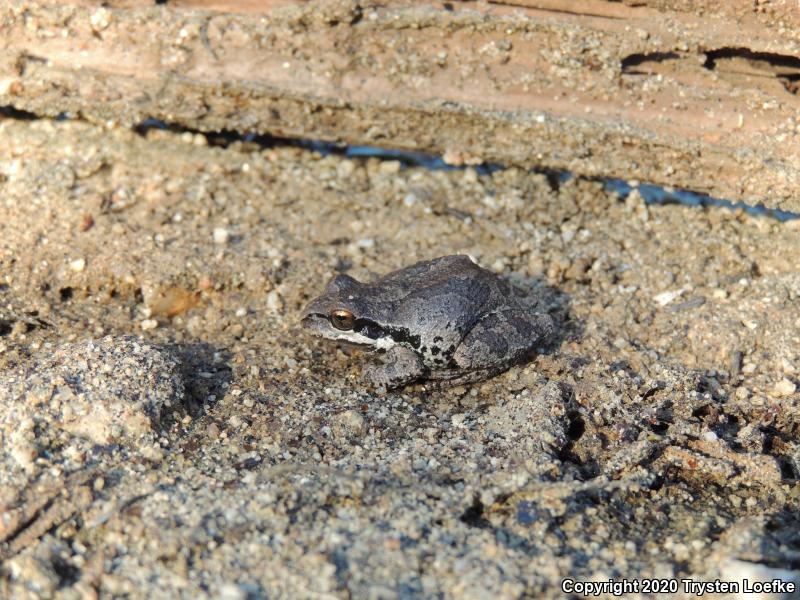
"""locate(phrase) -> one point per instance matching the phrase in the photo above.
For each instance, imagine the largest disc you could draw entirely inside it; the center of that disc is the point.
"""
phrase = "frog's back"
(437, 269)
(468, 277)
(449, 291)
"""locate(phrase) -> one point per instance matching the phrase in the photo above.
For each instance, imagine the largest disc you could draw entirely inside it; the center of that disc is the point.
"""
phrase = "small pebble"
(78, 265)
(149, 324)
(666, 297)
(458, 419)
(749, 368)
(720, 294)
(230, 591)
(274, 302)
(221, 236)
(87, 222)
(348, 425)
(390, 167)
(784, 388)
(345, 169)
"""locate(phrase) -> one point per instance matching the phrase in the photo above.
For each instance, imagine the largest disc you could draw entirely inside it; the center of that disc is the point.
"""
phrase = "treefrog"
(447, 321)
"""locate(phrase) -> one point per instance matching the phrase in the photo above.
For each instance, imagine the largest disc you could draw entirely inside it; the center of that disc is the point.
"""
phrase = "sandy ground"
(169, 431)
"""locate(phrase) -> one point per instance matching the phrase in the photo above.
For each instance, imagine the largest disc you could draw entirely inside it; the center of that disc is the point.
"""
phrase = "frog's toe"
(392, 374)
(383, 377)
(379, 377)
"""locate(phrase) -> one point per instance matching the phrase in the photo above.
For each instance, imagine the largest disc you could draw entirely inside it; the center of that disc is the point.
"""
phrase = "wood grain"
(706, 102)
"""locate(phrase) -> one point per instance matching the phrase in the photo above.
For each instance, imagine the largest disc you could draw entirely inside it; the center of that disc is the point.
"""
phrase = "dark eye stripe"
(369, 329)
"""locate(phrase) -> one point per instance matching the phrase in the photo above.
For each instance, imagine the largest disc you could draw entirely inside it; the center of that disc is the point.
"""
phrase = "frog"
(445, 321)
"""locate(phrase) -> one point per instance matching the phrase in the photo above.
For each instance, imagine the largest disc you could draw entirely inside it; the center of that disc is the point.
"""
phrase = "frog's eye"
(342, 319)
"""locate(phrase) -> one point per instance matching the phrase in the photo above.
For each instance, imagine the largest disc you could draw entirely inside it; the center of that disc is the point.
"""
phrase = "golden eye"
(342, 319)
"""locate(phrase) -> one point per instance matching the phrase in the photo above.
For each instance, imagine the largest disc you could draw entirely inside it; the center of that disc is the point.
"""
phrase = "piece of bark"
(708, 103)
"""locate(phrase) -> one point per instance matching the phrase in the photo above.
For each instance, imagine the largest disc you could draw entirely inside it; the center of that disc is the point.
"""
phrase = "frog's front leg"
(502, 338)
(398, 367)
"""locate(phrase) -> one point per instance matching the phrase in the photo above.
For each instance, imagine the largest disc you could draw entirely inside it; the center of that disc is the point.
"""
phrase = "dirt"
(655, 437)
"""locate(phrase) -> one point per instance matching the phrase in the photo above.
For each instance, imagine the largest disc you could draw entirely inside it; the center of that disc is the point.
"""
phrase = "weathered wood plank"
(599, 88)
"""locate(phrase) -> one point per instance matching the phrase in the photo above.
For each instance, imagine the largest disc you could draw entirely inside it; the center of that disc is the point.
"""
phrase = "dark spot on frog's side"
(438, 338)
(403, 335)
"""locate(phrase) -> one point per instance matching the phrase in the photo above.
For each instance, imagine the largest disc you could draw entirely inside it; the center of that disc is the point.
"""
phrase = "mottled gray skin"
(445, 319)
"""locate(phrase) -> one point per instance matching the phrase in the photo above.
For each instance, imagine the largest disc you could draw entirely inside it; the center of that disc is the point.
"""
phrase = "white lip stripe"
(353, 337)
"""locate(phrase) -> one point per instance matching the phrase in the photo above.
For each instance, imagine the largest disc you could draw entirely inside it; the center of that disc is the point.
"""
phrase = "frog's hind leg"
(501, 339)
(438, 380)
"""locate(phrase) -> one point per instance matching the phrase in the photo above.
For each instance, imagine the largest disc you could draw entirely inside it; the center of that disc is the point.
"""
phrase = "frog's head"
(341, 314)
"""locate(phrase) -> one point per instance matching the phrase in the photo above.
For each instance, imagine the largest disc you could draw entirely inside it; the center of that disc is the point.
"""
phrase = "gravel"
(67, 407)
(223, 454)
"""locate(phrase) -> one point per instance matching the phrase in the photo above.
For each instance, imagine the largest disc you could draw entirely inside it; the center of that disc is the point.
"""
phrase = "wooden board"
(669, 92)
